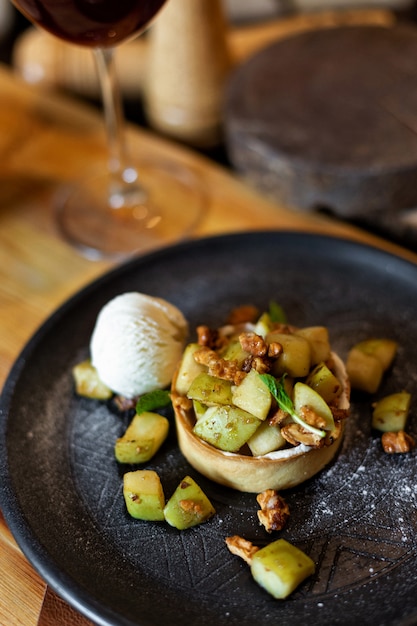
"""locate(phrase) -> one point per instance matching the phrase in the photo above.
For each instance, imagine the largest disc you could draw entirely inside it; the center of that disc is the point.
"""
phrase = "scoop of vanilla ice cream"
(137, 343)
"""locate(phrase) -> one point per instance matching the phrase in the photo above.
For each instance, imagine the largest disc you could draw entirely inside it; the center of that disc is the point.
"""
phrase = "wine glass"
(132, 206)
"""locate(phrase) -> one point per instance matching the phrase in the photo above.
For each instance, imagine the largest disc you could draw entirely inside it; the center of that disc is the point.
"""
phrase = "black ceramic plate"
(61, 489)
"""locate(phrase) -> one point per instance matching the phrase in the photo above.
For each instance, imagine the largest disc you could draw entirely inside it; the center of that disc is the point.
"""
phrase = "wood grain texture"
(55, 612)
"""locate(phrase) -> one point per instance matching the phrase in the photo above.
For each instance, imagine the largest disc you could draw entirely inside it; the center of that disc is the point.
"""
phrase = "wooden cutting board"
(328, 119)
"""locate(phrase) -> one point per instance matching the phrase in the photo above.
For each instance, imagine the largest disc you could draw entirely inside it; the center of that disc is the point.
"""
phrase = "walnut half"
(241, 547)
(274, 510)
(397, 443)
(296, 434)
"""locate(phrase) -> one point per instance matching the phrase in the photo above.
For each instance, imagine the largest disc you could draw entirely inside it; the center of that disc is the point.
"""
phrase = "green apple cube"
(364, 370)
(252, 395)
(322, 380)
(227, 428)
(199, 409)
(234, 352)
(264, 325)
(188, 369)
(295, 359)
(390, 414)
(133, 451)
(142, 439)
(144, 495)
(318, 338)
(382, 349)
(280, 568)
(188, 506)
(303, 395)
(210, 390)
(266, 439)
(87, 382)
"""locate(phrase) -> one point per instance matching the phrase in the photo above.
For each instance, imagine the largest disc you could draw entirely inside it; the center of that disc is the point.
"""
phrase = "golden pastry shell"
(279, 470)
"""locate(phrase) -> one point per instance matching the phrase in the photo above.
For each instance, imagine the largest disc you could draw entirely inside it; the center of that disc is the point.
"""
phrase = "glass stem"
(124, 191)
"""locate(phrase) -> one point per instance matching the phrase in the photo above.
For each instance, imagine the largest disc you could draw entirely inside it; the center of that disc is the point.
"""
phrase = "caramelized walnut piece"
(243, 314)
(278, 417)
(260, 353)
(239, 376)
(125, 404)
(311, 417)
(222, 368)
(241, 547)
(247, 364)
(209, 337)
(253, 344)
(296, 434)
(275, 349)
(397, 443)
(274, 511)
(181, 402)
(204, 354)
(216, 365)
(191, 506)
(262, 366)
(339, 414)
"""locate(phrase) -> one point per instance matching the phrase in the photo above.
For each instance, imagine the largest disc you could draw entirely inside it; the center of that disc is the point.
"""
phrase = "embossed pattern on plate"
(62, 493)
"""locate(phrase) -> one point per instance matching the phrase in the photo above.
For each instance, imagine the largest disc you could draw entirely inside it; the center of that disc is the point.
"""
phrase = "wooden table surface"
(45, 140)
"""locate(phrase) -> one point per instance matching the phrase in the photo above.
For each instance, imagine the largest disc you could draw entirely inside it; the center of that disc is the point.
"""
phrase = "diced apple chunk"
(322, 380)
(199, 409)
(318, 338)
(368, 360)
(280, 568)
(234, 352)
(365, 371)
(305, 396)
(188, 506)
(266, 439)
(144, 495)
(188, 369)
(264, 325)
(390, 414)
(381, 348)
(252, 395)
(87, 382)
(210, 390)
(142, 439)
(227, 428)
(295, 359)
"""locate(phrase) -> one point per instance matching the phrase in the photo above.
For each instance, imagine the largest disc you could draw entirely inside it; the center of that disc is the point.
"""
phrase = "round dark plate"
(61, 489)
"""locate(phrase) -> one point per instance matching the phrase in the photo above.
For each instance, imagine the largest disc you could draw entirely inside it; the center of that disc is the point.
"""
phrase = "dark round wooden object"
(328, 119)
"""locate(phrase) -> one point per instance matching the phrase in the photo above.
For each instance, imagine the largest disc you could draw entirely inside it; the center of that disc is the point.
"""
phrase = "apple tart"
(260, 404)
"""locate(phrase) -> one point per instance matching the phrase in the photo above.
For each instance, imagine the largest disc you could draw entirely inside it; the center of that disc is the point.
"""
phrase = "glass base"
(169, 211)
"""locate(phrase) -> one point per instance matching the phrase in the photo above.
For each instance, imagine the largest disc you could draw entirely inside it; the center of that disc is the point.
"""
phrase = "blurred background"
(41, 59)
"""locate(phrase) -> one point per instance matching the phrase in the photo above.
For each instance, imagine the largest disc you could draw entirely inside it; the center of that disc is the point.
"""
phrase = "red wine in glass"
(95, 23)
(133, 206)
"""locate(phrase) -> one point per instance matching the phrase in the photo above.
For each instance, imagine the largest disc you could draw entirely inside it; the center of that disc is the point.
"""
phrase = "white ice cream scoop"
(137, 343)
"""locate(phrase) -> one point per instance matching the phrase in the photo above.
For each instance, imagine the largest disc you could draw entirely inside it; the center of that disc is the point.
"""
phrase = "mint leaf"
(277, 389)
(153, 400)
(277, 313)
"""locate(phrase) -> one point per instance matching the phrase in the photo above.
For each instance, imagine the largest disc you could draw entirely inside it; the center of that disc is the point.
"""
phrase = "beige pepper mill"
(188, 64)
